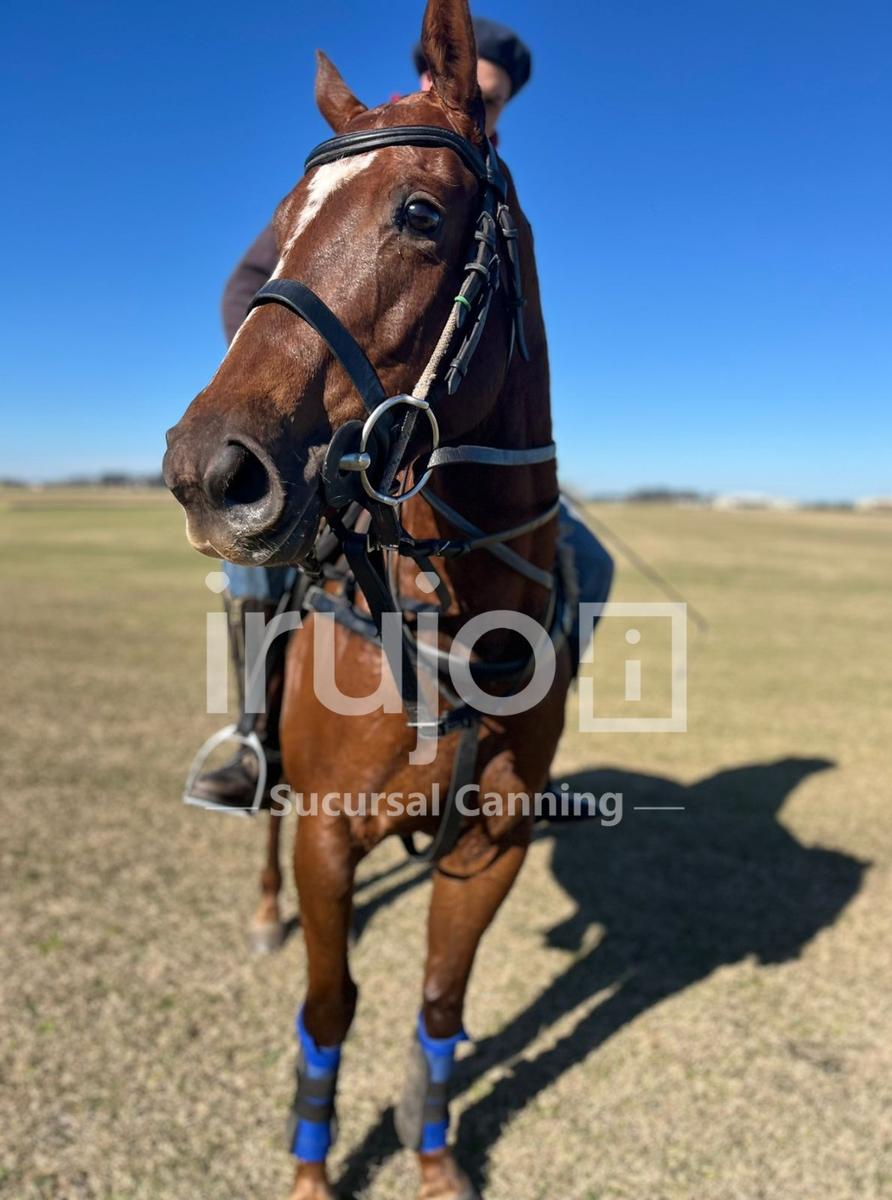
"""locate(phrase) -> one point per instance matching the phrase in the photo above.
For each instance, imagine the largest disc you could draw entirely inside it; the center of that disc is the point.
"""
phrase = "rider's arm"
(252, 273)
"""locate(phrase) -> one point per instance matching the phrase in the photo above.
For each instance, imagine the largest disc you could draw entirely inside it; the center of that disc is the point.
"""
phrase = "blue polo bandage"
(313, 1111)
(440, 1056)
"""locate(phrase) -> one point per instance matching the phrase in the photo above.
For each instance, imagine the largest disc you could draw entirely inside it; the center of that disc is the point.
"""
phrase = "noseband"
(364, 459)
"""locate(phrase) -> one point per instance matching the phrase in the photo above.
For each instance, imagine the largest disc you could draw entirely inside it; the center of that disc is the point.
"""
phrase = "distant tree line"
(110, 479)
(666, 495)
(658, 494)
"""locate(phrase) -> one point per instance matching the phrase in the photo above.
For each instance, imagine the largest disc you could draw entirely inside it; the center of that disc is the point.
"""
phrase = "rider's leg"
(251, 590)
(592, 570)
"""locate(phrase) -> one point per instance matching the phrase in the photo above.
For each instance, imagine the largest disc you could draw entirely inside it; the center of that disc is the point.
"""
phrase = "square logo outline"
(677, 722)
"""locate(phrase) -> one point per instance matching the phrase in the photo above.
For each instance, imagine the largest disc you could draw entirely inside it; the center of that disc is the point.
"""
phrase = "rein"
(364, 458)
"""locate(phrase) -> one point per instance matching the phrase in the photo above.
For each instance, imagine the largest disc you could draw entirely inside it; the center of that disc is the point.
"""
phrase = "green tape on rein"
(463, 300)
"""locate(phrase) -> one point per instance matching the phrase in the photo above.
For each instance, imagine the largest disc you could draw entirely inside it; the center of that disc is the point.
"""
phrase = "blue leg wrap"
(313, 1111)
(440, 1056)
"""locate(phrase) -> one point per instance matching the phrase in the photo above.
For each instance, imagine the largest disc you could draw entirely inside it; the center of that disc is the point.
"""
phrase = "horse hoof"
(311, 1189)
(311, 1186)
(267, 937)
(443, 1179)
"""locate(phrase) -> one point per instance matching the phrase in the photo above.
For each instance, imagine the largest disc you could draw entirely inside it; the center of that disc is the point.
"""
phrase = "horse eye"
(422, 217)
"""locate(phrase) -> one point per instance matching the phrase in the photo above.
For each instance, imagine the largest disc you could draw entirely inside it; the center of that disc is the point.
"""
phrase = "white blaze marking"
(325, 182)
(238, 333)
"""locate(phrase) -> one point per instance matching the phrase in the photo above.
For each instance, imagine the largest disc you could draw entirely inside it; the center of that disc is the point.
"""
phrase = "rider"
(503, 68)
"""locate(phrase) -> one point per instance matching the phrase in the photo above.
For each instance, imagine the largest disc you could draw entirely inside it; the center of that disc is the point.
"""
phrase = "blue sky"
(710, 182)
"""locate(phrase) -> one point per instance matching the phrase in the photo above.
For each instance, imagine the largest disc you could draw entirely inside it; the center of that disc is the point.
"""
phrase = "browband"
(426, 136)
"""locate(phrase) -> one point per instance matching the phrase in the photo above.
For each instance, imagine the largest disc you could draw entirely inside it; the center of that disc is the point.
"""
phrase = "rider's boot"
(233, 786)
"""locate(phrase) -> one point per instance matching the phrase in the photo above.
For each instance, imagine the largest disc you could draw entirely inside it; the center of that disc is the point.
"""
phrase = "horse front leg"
(325, 864)
(461, 910)
(267, 931)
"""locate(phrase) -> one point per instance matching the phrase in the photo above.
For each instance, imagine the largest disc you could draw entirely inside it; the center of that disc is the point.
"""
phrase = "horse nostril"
(250, 483)
(237, 478)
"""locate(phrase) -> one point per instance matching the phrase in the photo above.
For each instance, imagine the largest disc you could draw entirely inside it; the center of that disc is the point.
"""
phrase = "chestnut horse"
(382, 234)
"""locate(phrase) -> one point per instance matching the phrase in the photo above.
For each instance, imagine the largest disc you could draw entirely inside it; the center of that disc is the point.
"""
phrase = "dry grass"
(689, 1005)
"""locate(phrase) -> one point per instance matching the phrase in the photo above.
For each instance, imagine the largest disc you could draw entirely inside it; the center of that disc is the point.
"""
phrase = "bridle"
(364, 458)
(494, 231)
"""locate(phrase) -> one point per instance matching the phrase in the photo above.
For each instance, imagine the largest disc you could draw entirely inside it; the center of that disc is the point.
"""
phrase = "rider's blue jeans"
(258, 583)
(592, 563)
(593, 567)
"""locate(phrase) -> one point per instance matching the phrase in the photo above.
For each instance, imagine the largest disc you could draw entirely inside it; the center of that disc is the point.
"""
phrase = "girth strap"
(304, 303)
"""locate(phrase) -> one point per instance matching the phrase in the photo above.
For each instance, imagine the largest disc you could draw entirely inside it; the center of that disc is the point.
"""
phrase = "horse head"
(382, 239)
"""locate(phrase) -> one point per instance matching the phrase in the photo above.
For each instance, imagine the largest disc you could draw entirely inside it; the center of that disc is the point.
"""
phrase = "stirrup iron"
(228, 733)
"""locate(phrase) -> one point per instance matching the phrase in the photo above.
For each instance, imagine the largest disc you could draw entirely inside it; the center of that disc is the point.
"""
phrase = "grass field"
(691, 1005)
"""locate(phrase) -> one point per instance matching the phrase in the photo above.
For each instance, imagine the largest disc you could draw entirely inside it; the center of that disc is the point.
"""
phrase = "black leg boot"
(233, 787)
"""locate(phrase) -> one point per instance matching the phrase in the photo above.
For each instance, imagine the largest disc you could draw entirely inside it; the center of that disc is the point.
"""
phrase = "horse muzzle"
(238, 506)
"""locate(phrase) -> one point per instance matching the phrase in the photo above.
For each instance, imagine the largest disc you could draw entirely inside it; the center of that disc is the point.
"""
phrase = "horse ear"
(333, 98)
(450, 50)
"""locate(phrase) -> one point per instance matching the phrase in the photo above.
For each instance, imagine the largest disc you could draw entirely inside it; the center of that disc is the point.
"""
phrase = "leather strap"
(493, 541)
(490, 456)
(370, 574)
(304, 303)
(423, 136)
(463, 768)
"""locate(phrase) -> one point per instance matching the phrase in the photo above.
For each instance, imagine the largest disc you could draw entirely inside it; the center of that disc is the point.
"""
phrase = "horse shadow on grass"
(674, 896)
